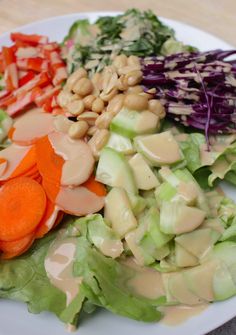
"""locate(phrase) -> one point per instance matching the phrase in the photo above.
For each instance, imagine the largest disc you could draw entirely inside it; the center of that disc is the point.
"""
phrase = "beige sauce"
(174, 315)
(189, 191)
(13, 154)
(220, 167)
(32, 125)
(111, 248)
(181, 137)
(147, 282)
(59, 267)
(163, 149)
(79, 201)
(205, 155)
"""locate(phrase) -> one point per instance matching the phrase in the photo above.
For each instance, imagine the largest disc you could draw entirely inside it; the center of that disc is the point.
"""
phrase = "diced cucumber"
(114, 170)
(120, 144)
(118, 211)
(143, 175)
(159, 149)
(138, 204)
(223, 284)
(198, 242)
(131, 123)
(177, 218)
(184, 258)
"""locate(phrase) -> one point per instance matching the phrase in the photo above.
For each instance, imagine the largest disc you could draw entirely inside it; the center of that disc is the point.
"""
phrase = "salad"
(113, 145)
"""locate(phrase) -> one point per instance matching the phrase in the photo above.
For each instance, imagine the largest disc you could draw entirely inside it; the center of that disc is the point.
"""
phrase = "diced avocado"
(179, 290)
(183, 257)
(118, 211)
(198, 242)
(144, 177)
(131, 123)
(103, 237)
(114, 170)
(177, 218)
(148, 245)
(223, 285)
(140, 255)
(159, 149)
(120, 144)
(199, 279)
(138, 204)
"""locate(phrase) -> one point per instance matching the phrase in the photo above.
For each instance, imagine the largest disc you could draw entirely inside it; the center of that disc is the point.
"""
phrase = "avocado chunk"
(114, 170)
(118, 212)
(144, 177)
(120, 144)
(159, 149)
(130, 123)
(177, 218)
(184, 258)
(179, 290)
(223, 284)
(198, 242)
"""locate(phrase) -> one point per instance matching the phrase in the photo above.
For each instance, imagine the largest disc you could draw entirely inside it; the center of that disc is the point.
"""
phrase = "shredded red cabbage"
(198, 89)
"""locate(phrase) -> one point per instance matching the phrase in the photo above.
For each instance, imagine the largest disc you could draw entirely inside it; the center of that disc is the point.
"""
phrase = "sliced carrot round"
(48, 220)
(15, 248)
(23, 203)
(32, 126)
(94, 186)
(26, 164)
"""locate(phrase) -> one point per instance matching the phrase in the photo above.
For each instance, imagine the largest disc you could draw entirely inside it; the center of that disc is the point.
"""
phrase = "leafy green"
(105, 284)
(25, 279)
(132, 33)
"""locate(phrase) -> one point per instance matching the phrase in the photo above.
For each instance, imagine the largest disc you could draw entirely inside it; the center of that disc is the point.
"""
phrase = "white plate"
(14, 316)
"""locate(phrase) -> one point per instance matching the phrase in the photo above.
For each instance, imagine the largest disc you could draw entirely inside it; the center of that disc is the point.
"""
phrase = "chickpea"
(136, 102)
(122, 84)
(108, 96)
(98, 105)
(75, 107)
(89, 117)
(120, 61)
(135, 89)
(98, 141)
(83, 87)
(88, 101)
(78, 129)
(133, 61)
(74, 77)
(157, 108)
(64, 97)
(115, 104)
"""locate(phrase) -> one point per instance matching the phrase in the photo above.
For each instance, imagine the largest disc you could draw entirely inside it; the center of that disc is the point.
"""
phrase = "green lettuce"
(25, 279)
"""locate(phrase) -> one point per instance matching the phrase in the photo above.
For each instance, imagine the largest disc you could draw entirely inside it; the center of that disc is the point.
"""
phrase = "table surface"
(215, 16)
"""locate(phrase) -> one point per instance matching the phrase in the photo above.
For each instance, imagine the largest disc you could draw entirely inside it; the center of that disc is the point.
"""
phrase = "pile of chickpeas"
(95, 101)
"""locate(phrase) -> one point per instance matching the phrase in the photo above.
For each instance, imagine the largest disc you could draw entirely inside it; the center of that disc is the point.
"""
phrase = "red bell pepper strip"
(26, 78)
(36, 64)
(30, 39)
(40, 80)
(23, 101)
(1, 64)
(10, 74)
(7, 100)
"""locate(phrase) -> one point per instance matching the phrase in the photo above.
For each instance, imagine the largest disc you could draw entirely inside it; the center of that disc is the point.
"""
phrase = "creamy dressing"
(189, 191)
(32, 125)
(147, 282)
(112, 248)
(175, 315)
(59, 267)
(79, 201)
(13, 154)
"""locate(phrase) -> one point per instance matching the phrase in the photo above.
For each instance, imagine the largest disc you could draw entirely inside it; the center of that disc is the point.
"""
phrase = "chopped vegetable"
(15, 248)
(19, 215)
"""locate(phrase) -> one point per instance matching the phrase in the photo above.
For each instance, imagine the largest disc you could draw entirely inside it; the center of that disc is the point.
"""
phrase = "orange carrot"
(23, 203)
(94, 186)
(15, 248)
(48, 220)
(27, 163)
(50, 167)
(11, 132)
(3, 165)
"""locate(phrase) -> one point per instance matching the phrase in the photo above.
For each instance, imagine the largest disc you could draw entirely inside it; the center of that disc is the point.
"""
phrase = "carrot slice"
(23, 203)
(94, 186)
(32, 126)
(48, 220)
(15, 248)
(78, 201)
(3, 165)
(50, 166)
(27, 163)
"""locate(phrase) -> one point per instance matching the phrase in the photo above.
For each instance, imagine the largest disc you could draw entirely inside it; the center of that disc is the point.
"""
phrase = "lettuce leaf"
(105, 284)
(25, 279)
